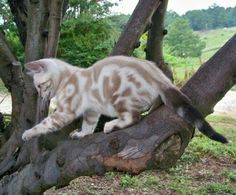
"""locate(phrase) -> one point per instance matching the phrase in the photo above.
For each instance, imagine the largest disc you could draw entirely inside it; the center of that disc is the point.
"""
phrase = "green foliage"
(181, 41)
(170, 17)
(211, 18)
(119, 21)
(86, 39)
(8, 27)
(93, 7)
(6, 19)
(14, 42)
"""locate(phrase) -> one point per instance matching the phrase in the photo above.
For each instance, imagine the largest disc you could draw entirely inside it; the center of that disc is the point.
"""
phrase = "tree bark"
(154, 50)
(15, 151)
(12, 77)
(135, 27)
(55, 18)
(157, 141)
(214, 78)
(15, 154)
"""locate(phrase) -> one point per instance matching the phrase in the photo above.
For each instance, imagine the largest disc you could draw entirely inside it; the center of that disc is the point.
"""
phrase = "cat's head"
(44, 73)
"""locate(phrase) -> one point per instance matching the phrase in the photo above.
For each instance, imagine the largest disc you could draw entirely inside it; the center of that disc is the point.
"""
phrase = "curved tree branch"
(214, 78)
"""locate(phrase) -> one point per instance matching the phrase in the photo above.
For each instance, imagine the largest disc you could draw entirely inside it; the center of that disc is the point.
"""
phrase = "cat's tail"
(180, 103)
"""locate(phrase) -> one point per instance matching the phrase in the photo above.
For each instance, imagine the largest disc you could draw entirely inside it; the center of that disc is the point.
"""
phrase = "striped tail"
(182, 106)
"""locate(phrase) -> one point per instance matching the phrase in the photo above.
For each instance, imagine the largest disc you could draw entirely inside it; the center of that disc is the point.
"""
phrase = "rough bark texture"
(34, 48)
(12, 77)
(134, 149)
(154, 50)
(55, 18)
(15, 154)
(156, 141)
(135, 27)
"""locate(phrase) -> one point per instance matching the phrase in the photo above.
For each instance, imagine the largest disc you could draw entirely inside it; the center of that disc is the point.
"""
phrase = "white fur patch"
(180, 111)
(70, 89)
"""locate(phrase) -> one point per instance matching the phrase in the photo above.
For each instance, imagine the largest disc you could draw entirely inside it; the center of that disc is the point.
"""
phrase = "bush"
(86, 39)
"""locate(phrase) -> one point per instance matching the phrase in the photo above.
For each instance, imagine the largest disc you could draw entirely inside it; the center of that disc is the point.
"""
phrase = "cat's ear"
(35, 67)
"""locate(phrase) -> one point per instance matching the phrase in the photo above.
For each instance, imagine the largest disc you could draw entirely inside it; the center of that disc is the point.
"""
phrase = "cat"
(119, 86)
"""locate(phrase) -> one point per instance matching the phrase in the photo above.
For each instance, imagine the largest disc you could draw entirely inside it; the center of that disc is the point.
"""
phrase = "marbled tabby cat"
(119, 86)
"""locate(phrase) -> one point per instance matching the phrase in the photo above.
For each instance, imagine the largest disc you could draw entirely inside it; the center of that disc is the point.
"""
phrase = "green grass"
(201, 145)
(218, 188)
(3, 89)
(215, 39)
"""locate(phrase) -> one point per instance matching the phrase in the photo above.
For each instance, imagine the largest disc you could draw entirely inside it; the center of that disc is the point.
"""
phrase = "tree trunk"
(157, 141)
(154, 50)
(15, 153)
(12, 77)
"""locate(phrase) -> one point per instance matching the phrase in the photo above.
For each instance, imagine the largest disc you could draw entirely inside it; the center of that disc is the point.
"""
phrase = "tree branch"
(134, 149)
(135, 27)
(210, 83)
(10, 73)
(55, 18)
(34, 47)
(154, 50)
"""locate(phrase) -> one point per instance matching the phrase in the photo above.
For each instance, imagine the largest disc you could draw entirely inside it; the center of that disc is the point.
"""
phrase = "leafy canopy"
(181, 40)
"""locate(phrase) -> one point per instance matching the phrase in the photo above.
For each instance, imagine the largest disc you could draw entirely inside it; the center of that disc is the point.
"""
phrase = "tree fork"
(135, 27)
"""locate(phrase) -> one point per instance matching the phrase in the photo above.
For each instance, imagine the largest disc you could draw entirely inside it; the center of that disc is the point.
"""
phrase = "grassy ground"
(206, 167)
(214, 40)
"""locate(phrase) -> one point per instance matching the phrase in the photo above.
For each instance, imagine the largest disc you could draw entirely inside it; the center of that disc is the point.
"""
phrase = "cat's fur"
(121, 87)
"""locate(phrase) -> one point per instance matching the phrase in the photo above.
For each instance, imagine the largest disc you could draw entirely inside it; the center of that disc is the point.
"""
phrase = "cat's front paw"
(27, 135)
(109, 126)
(76, 135)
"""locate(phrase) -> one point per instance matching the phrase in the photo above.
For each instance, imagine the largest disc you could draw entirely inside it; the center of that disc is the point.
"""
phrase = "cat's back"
(123, 61)
(147, 70)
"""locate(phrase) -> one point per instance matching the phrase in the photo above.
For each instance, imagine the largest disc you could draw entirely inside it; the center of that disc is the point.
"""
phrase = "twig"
(3, 98)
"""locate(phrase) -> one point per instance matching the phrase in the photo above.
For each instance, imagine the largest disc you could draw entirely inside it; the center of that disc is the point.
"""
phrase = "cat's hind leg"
(125, 119)
(89, 124)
